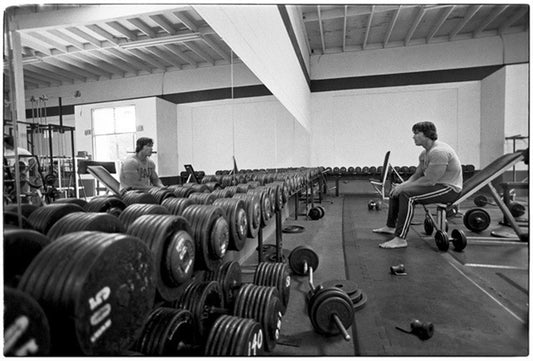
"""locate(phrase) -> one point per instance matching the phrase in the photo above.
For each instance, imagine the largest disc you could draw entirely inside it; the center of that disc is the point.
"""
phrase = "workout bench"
(483, 178)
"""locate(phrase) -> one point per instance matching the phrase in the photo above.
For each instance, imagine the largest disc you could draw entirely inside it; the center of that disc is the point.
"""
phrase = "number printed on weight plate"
(256, 343)
(100, 297)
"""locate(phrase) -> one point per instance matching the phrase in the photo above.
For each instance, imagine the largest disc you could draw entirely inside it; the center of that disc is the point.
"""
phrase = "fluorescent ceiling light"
(160, 41)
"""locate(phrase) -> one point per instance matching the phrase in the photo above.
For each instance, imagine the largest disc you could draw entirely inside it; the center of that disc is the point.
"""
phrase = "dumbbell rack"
(309, 197)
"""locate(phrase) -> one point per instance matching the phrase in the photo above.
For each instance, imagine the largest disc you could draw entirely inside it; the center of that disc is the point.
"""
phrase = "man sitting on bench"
(437, 179)
(138, 170)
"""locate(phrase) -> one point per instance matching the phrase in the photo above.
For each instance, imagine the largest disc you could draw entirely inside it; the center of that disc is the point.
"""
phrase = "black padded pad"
(103, 175)
(488, 173)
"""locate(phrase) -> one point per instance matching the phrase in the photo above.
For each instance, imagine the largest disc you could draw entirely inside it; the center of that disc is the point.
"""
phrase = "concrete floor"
(478, 299)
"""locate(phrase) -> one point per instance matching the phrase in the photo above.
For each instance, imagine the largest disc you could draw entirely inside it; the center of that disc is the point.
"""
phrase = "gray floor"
(478, 300)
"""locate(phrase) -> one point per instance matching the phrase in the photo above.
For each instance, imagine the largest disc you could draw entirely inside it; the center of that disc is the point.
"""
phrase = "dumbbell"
(316, 213)
(374, 205)
(424, 330)
(205, 300)
(517, 209)
(482, 200)
(458, 239)
(330, 309)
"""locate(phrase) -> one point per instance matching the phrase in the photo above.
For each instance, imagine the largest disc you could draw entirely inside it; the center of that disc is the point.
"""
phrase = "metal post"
(278, 236)
(260, 244)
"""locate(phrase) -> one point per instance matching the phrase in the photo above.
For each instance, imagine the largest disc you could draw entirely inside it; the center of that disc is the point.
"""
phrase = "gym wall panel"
(166, 128)
(492, 117)
(260, 132)
(356, 128)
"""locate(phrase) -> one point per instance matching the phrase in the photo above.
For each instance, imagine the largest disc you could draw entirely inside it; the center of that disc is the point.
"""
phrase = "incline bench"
(483, 178)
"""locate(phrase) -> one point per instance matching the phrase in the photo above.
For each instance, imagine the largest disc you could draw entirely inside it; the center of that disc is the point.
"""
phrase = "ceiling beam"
(216, 48)
(74, 66)
(176, 51)
(443, 16)
(472, 10)
(98, 63)
(120, 53)
(142, 26)
(47, 41)
(105, 34)
(419, 16)
(163, 23)
(370, 16)
(149, 57)
(66, 38)
(160, 54)
(522, 11)
(354, 10)
(489, 19)
(202, 54)
(391, 26)
(57, 72)
(182, 16)
(87, 14)
(90, 39)
(130, 35)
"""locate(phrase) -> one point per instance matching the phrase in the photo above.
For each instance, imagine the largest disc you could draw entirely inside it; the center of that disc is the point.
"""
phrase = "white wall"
(516, 106)
(166, 130)
(492, 117)
(356, 127)
(260, 132)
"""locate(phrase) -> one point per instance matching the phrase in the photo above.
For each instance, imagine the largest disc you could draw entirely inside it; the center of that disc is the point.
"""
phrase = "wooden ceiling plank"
(176, 51)
(472, 10)
(57, 72)
(121, 54)
(414, 25)
(85, 36)
(216, 48)
(66, 38)
(91, 14)
(30, 79)
(31, 43)
(85, 69)
(442, 18)
(41, 76)
(354, 10)
(110, 68)
(164, 56)
(142, 26)
(83, 64)
(202, 54)
(367, 31)
(47, 40)
(147, 58)
(497, 11)
(391, 26)
(522, 11)
(107, 35)
(321, 30)
(163, 23)
(185, 20)
(130, 35)
(117, 62)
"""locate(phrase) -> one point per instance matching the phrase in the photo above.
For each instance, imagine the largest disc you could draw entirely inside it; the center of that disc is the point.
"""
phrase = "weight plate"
(43, 218)
(209, 349)
(476, 220)
(458, 240)
(21, 310)
(237, 335)
(228, 338)
(301, 255)
(272, 319)
(359, 304)
(21, 246)
(428, 226)
(348, 286)
(231, 282)
(442, 241)
(332, 302)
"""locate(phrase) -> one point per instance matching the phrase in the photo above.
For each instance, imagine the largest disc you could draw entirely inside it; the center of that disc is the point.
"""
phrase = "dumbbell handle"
(341, 327)
(309, 270)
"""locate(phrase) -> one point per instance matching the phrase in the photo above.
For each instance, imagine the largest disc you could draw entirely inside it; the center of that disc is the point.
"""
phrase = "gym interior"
(279, 132)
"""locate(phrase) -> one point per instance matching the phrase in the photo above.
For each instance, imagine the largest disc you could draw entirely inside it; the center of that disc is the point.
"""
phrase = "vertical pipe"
(278, 236)
(76, 191)
(60, 113)
(260, 244)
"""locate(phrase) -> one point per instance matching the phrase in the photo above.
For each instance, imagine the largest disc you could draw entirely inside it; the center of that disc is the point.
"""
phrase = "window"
(113, 132)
